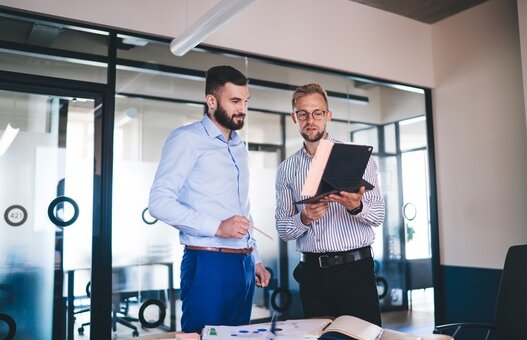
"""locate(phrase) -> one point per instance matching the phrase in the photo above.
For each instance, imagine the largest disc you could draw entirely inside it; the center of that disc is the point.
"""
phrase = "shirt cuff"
(208, 227)
(256, 255)
(357, 210)
(298, 222)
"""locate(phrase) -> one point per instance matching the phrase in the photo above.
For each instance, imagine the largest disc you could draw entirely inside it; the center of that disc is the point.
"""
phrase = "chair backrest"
(511, 309)
(419, 273)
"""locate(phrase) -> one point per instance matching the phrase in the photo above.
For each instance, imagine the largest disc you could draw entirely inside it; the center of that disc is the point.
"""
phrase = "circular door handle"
(51, 211)
(284, 294)
(409, 211)
(11, 325)
(381, 282)
(162, 313)
(144, 214)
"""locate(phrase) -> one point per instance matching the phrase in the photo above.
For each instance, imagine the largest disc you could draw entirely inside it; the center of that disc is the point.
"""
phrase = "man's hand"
(233, 227)
(313, 212)
(351, 200)
(262, 276)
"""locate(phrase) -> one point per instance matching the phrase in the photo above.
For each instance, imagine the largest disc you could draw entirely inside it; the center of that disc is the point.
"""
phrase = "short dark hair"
(218, 76)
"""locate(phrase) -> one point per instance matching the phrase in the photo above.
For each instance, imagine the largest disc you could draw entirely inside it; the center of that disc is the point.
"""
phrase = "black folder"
(343, 171)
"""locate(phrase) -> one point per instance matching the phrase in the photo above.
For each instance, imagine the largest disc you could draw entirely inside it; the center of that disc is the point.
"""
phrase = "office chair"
(418, 276)
(83, 308)
(120, 314)
(511, 306)
(120, 306)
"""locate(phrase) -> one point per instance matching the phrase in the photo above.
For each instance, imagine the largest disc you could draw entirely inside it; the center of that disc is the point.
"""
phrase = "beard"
(228, 122)
(313, 139)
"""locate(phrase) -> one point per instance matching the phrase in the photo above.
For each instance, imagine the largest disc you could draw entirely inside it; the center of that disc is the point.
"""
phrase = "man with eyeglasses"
(201, 188)
(334, 235)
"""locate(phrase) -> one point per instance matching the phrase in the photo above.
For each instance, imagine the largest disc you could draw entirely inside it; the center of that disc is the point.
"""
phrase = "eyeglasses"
(304, 115)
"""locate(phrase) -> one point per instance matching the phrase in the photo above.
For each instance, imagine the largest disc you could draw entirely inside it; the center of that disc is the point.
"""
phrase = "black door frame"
(103, 95)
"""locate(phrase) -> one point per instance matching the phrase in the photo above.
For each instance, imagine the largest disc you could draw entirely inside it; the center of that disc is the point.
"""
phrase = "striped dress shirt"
(337, 230)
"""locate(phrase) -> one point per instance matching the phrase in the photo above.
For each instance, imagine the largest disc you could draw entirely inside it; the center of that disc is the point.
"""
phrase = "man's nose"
(242, 107)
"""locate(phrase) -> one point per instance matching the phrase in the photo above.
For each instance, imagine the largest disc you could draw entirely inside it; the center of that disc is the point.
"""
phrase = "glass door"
(46, 181)
(263, 164)
(146, 253)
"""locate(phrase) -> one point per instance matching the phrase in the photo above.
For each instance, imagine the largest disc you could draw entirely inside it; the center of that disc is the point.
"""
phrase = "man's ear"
(293, 117)
(211, 102)
(329, 115)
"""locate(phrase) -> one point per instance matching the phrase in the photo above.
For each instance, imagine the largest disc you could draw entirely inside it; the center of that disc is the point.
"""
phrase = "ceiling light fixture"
(207, 24)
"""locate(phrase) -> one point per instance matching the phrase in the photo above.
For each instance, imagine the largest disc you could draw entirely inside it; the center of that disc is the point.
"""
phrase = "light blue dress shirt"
(202, 179)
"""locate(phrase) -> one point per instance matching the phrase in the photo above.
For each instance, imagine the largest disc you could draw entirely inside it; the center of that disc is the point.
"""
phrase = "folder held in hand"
(336, 167)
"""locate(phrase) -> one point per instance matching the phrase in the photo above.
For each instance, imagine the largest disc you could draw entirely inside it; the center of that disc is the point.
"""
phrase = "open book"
(351, 327)
(335, 167)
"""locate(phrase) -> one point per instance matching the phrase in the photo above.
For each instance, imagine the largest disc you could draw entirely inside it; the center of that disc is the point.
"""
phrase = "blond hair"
(308, 89)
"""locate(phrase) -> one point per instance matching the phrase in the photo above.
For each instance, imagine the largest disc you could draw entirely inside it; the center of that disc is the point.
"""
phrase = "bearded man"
(201, 188)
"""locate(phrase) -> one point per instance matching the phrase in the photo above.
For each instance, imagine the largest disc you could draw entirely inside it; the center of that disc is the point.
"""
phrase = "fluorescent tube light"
(207, 24)
(7, 138)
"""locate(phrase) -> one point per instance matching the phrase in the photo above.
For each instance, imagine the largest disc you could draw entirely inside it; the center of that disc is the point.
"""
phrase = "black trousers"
(347, 289)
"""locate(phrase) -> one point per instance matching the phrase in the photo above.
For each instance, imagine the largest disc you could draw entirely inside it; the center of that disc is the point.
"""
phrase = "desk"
(171, 294)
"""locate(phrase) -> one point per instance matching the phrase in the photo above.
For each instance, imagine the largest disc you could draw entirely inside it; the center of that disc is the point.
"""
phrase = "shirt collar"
(328, 137)
(213, 132)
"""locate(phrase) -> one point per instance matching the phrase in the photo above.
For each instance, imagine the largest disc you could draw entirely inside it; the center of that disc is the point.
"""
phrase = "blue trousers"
(216, 289)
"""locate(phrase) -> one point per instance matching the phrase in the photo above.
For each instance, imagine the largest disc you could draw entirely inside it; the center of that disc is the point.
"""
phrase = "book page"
(355, 328)
(316, 168)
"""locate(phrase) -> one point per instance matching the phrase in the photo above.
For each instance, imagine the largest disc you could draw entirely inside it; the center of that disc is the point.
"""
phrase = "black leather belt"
(325, 260)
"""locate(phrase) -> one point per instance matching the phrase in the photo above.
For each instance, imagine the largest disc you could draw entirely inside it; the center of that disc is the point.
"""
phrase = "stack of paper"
(305, 329)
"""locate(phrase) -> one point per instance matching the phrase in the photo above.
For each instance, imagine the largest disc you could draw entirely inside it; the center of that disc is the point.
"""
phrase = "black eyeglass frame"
(304, 115)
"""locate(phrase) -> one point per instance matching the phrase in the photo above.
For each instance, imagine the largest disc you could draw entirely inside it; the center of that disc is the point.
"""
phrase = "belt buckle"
(321, 263)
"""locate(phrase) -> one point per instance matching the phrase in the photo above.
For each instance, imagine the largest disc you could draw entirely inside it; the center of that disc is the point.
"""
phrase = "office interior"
(89, 94)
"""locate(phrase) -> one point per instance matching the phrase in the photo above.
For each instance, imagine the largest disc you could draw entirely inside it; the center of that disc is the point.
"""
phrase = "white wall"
(472, 60)
(344, 35)
(480, 135)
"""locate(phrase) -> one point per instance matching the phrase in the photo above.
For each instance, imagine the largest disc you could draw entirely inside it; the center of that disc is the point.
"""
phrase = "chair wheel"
(135, 334)
(81, 330)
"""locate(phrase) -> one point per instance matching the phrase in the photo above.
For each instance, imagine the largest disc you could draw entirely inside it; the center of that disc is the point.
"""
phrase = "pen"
(272, 330)
(264, 233)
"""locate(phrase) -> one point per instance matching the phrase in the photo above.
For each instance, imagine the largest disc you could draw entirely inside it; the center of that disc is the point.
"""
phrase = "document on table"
(303, 329)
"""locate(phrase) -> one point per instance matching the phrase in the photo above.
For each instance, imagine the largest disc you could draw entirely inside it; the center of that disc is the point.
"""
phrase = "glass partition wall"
(156, 92)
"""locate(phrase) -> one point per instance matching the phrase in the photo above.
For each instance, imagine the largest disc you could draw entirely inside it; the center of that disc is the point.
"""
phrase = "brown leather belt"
(326, 260)
(222, 250)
